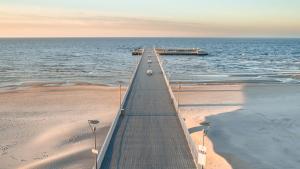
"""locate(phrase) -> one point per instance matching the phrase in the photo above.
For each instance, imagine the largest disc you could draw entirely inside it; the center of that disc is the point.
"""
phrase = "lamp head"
(93, 121)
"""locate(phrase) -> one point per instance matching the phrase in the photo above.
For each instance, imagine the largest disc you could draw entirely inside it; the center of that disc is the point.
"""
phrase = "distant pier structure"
(181, 51)
(138, 51)
(173, 51)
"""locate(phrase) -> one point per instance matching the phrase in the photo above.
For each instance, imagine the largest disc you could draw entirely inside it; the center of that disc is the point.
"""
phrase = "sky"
(149, 18)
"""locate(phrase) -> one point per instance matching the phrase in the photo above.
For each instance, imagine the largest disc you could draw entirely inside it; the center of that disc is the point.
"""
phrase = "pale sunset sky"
(149, 18)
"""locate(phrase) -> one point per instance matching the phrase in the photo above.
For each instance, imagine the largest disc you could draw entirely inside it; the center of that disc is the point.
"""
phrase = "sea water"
(109, 60)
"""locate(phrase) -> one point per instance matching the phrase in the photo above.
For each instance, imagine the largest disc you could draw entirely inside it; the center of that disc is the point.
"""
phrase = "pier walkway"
(148, 134)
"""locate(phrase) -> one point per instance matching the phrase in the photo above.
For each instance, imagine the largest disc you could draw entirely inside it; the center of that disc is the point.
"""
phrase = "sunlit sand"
(46, 127)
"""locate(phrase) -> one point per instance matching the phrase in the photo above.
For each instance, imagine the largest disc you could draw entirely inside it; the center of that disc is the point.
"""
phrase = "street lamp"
(137, 59)
(120, 93)
(92, 124)
(178, 93)
(202, 154)
(205, 131)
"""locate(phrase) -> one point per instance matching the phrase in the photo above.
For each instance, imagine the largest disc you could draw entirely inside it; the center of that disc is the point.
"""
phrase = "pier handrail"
(192, 146)
(108, 137)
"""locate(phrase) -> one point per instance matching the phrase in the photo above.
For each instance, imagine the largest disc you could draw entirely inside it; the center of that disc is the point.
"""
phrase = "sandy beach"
(251, 125)
(45, 126)
(200, 101)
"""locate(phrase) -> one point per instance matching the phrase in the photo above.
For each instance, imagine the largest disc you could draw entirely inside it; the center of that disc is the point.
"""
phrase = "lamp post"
(205, 131)
(202, 154)
(204, 134)
(179, 87)
(120, 93)
(92, 124)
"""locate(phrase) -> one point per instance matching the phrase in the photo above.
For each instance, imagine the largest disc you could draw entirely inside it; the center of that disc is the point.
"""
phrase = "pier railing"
(107, 140)
(189, 139)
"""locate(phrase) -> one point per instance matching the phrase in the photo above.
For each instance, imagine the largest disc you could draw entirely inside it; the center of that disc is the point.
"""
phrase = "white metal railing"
(189, 139)
(108, 137)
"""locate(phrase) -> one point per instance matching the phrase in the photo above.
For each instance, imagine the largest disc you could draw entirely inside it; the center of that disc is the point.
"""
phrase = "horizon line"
(137, 37)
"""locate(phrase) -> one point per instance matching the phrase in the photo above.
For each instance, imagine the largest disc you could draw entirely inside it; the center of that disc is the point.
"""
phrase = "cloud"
(58, 23)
